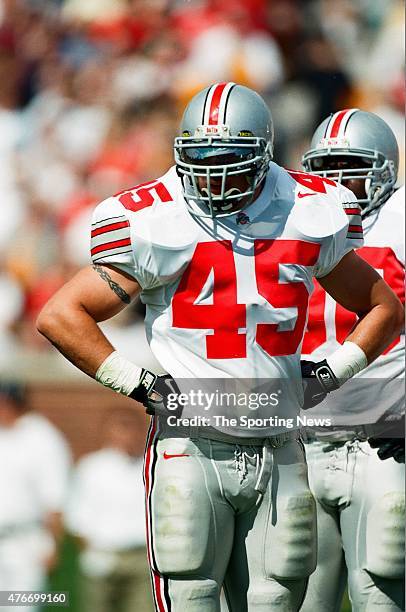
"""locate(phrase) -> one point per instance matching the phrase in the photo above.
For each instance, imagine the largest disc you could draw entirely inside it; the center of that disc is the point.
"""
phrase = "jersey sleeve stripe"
(114, 252)
(109, 236)
(354, 220)
(352, 211)
(110, 246)
(109, 228)
(108, 220)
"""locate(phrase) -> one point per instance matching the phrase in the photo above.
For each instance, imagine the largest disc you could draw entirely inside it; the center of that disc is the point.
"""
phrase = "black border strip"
(109, 219)
(226, 102)
(111, 255)
(205, 101)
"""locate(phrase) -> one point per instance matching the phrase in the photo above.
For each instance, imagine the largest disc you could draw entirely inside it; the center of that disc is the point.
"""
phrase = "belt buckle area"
(280, 440)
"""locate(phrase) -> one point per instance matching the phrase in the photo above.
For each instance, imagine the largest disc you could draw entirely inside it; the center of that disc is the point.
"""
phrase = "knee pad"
(385, 537)
(274, 595)
(190, 593)
(183, 533)
(291, 543)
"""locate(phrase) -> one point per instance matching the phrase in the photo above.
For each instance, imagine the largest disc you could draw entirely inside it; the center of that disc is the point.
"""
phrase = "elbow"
(48, 320)
(399, 317)
(395, 317)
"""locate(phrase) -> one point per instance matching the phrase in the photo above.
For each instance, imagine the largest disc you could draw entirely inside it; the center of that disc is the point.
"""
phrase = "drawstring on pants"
(263, 467)
(265, 472)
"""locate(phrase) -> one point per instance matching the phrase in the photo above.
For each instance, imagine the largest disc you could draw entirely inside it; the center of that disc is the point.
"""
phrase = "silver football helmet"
(226, 131)
(370, 146)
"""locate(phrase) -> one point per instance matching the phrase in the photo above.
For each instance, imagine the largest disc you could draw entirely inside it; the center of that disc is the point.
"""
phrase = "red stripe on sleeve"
(109, 228)
(355, 228)
(337, 122)
(352, 211)
(215, 104)
(111, 245)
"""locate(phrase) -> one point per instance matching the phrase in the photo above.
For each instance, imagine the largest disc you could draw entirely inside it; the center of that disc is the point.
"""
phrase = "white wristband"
(119, 374)
(347, 361)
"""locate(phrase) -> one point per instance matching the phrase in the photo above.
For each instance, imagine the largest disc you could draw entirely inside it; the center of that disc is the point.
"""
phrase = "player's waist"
(338, 435)
(347, 434)
(210, 433)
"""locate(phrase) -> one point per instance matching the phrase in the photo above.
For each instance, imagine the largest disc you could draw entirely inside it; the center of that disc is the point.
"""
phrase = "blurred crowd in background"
(92, 92)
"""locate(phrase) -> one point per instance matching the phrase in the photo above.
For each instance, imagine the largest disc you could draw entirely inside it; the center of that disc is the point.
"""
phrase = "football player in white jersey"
(360, 491)
(223, 249)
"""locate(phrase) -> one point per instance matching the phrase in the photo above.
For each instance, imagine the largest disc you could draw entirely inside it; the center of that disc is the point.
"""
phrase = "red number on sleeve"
(144, 195)
(382, 259)
(224, 316)
(312, 181)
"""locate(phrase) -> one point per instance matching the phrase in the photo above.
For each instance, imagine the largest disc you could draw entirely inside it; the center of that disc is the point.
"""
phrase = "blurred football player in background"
(223, 248)
(35, 463)
(106, 512)
(360, 490)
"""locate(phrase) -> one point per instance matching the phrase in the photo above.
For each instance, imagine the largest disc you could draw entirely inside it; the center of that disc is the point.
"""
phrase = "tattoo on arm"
(119, 291)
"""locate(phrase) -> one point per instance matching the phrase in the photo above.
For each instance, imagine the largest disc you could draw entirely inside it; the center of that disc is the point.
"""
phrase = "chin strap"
(227, 205)
(373, 206)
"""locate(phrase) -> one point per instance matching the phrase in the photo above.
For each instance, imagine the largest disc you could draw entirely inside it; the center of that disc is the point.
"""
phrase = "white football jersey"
(329, 323)
(228, 297)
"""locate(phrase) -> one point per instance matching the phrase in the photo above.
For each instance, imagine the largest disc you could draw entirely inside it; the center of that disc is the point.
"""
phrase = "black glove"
(153, 391)
(318, 380)
(389, 447)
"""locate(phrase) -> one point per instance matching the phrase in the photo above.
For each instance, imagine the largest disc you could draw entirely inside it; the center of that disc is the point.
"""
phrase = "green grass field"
(65, 578)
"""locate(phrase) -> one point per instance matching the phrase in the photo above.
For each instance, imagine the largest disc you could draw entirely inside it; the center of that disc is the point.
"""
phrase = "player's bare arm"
(69, 320)
(354, 284)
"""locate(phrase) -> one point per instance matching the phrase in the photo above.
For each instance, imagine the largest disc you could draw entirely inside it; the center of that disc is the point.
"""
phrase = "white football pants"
(208, 525)
(360, 523)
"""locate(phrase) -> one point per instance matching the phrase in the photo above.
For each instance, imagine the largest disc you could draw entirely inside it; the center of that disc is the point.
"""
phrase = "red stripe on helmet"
(215, 103)
(335, 128)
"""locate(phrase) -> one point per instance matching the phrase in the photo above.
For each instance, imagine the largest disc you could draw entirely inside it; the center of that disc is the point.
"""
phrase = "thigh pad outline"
(385, 536)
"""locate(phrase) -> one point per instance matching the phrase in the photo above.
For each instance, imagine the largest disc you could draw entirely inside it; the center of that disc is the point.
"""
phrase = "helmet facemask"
(207, 167)
(378, 172)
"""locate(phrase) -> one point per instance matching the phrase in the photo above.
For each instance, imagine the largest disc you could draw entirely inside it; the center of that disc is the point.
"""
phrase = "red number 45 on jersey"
(225, 316)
